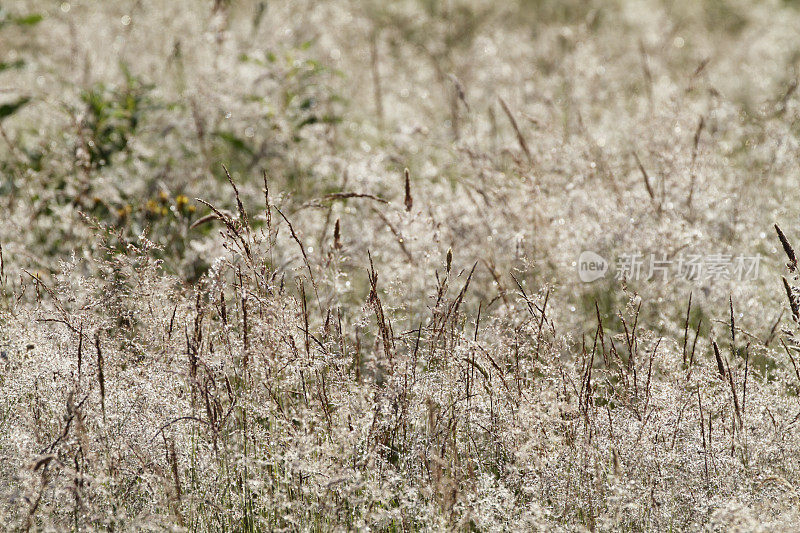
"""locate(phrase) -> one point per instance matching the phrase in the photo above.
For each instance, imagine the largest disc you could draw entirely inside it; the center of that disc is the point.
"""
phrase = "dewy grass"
(313, 266)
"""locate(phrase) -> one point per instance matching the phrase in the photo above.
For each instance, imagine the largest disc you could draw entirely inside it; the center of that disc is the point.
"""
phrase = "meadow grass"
(313, 266)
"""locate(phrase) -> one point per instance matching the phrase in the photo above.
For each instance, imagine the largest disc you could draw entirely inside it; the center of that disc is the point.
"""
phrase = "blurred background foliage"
(123, 112)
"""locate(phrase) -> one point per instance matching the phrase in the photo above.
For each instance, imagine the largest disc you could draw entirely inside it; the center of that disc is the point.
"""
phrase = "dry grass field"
(414, 265)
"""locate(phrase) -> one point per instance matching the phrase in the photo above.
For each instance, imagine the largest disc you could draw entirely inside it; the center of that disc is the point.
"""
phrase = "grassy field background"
(313, 265)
